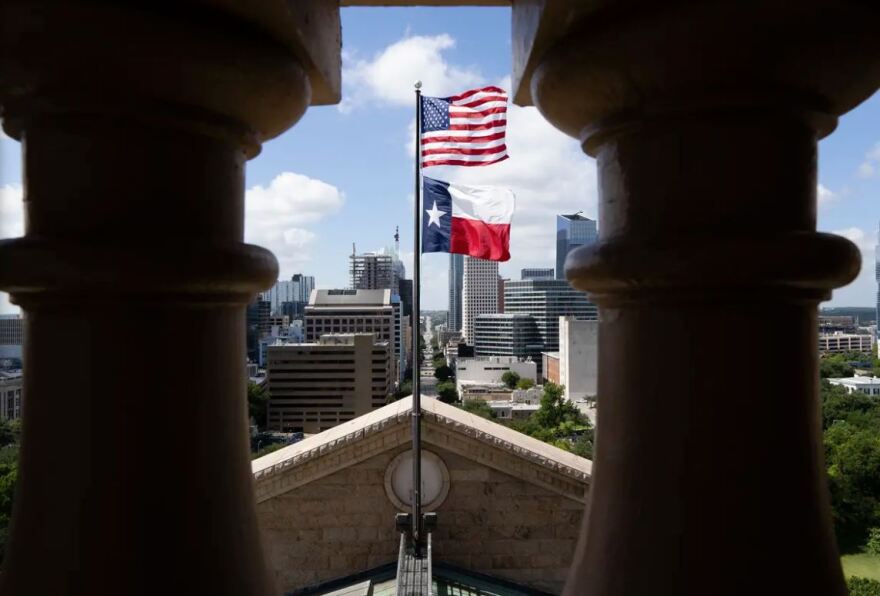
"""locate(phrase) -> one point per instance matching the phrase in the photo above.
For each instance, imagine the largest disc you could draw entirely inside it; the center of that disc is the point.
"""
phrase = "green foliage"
(525, 384)
(872, 546)
(852, 457)
(443, 373)
(835, 366)
(860, 586)
(478, 407)
(403, 390)
(258, 404)
(510, 379)
(438, 362)
(447, 392)
(267, 450)
(558, 422)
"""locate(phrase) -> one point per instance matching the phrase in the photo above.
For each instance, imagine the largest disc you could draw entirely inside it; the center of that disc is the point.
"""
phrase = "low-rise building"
(866, 385)
(485, 391)
(511, 410)
(550, 366)
(491, 369)
(315, 386)
(838, 343)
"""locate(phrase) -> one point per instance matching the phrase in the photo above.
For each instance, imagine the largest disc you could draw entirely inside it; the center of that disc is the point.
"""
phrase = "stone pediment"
(443, 426)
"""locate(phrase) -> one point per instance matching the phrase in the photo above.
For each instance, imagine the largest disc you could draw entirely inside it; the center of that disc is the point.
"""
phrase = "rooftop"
(350, 298)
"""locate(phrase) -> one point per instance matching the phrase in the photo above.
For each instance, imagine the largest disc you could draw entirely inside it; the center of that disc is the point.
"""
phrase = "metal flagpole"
(416, 351)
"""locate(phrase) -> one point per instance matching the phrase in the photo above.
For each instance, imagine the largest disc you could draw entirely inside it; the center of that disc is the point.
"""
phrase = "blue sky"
(344, 173)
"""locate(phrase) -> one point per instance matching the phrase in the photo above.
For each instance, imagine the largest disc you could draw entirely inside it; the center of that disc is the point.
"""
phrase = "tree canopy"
(446, 392)
(510, 379)
(525, 384)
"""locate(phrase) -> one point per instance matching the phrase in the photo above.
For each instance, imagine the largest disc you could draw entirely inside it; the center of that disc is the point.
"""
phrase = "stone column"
(136, 124)
(704, 120)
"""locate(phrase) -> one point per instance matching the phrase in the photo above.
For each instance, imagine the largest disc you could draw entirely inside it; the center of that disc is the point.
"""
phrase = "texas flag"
(467, 220)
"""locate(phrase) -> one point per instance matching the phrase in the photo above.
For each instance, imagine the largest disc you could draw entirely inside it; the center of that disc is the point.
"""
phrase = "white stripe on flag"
(489, 204)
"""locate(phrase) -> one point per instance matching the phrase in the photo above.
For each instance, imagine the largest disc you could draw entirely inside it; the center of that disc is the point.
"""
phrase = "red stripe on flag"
(463, 139)
(481, 101)
(457, 151)
(487, 126)
(460, 162)
(473, 92)
(480, 239)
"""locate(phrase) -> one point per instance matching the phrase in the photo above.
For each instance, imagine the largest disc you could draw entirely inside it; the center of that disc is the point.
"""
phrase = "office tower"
(316, 386)
(11, 383)
(258, 326)
(456, 285)
(373, 271)
(479, 293)
(877, 278)
(572, 231)
(537, 273)
(501, 281)
(356, 311)
(406, 296)
(546, 300)
(290, 297)
(508, 335)
(11, 336)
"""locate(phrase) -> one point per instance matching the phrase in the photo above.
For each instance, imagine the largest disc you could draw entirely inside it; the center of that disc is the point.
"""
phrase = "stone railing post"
(704, 120)
(136, 121)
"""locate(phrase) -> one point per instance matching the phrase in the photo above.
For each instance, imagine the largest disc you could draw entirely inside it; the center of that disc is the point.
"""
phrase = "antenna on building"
(353, 249)
(397, 242)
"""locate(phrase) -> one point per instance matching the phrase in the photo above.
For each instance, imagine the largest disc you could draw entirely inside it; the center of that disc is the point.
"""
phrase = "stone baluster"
(136, 123)
(704, 120)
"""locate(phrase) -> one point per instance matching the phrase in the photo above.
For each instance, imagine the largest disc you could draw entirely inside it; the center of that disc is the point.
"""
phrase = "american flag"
(466, 129)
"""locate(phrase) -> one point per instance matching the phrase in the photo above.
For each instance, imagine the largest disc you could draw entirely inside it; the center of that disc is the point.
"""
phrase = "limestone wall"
(490, 522)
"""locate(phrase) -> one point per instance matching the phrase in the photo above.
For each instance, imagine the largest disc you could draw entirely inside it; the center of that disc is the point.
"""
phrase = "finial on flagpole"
(418, 85)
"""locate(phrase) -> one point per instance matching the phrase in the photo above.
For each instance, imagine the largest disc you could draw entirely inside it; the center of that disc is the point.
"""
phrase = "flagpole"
(417, 355)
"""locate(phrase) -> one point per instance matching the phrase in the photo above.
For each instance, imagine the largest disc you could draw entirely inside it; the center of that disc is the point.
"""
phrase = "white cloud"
(275, 216)
(390, 75)
(871, 164)
(865, 242)
(825, 195)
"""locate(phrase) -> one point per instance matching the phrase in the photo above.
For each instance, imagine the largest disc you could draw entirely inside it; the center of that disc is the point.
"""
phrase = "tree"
(403, 390)
(835, 366)
(439, 361)
(8, 476)
(478, 407)
(851, 423)
(258, 404)
(525, 384)
(510, 379)
(447, 392)
(443, 372)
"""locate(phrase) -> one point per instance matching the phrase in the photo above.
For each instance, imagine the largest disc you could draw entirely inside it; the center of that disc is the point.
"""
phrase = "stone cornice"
(444, 426)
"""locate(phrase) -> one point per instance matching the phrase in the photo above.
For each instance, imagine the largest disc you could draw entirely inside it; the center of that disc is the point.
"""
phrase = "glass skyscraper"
(546, 300)
(456, 287)
(572, 231)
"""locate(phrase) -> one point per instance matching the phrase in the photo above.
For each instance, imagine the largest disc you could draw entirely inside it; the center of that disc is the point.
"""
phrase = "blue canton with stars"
(435, 114)
(436, 238)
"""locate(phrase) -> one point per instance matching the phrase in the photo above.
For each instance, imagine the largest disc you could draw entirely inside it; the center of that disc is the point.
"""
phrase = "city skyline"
(315, 190)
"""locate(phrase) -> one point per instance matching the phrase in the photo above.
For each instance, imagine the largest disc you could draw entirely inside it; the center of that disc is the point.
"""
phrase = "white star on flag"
(434, 214)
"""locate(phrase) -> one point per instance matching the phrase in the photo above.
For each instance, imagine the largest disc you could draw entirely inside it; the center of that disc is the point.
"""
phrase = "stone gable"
(507, 513)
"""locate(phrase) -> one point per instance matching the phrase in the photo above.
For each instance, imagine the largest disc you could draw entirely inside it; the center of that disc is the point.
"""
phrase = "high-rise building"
(11, 330)
(406, 296)
(877, 278)
(373, 271)
(356, 311)
(10, 394)
(508, 335)
(572, 231)
(546, 300)
(501, 282)
(316, 386)
(456, 286)
(290, 297)
(479, 293)
(258, 326)
(537, 273)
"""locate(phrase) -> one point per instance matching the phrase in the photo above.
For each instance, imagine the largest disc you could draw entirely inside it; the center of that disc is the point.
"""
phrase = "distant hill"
(863, 315)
